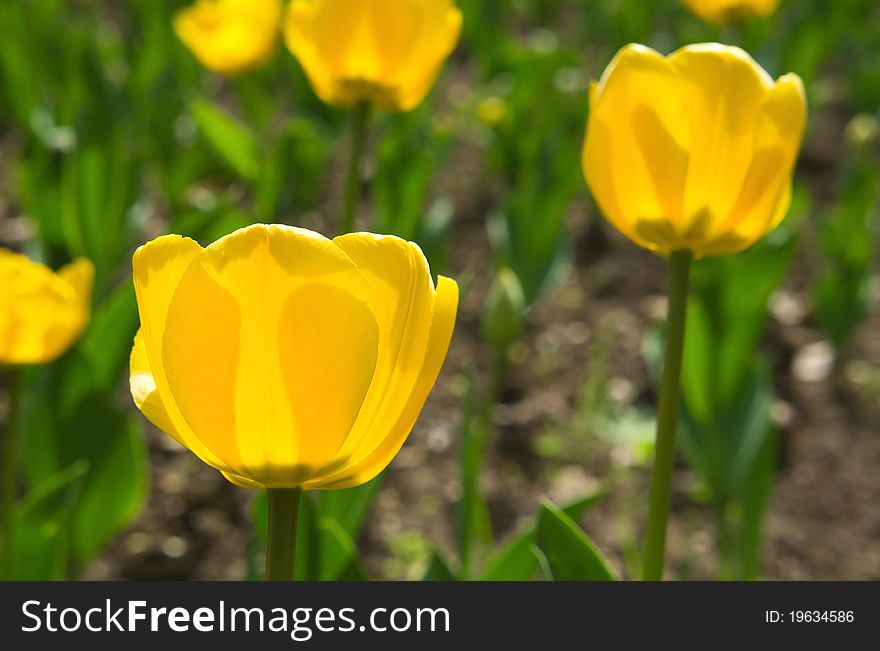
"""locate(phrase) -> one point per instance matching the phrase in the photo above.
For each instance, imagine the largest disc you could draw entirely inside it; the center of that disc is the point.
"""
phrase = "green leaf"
(115, 488)
(438, 568)
(338, 556)
(86, 423)
(233, 141)
(516, 561)
(570, 554)
(349, 507)
(108, 342)
(40, 549)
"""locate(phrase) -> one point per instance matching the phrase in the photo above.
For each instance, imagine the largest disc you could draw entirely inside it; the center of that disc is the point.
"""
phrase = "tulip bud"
(503, 311)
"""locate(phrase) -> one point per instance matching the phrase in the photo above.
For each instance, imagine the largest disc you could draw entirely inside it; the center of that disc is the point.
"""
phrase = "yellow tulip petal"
(724, 90)
(143, 389)
(403, 302)
(269, 349)
(416, 79)
(637, 173)
(321, 34)
(80, 274)
(242, 482)
(157, 268)
(766, 192)
(369, 461)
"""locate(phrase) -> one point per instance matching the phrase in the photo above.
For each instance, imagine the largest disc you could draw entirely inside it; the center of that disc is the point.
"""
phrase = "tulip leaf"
(841, 293)
(339, 556)
(86, 423)
(233, 141)
(108, 342)
(570, 554)
(349, 507)
(40, 545)
(438, 568)
(516, 561)
(114, 490)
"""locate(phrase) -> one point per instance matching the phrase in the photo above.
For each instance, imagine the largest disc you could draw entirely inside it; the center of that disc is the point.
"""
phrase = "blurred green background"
(111, 134)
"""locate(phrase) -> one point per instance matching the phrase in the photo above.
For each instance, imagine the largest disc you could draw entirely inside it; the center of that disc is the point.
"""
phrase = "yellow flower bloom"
(721, 12)
(230, 36)
(285, 359)
(694, 150)
(41, 312)
(385, 52)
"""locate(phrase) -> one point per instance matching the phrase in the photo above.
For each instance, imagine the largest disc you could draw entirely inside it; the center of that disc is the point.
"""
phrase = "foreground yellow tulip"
(230, 36)
(42, 313)
(721, 12)
(694, 151)
(387, 53)
(285, 359)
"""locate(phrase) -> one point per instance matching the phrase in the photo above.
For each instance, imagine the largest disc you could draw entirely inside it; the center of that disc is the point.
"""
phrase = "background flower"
(230, 36)
(41, 312)
(385, 52)
(695, 150)
(728, 11)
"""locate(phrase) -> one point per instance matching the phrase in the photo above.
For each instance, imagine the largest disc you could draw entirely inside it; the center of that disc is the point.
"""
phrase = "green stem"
(10, 454)
(281, 550)
(360, 118)
(667, 418)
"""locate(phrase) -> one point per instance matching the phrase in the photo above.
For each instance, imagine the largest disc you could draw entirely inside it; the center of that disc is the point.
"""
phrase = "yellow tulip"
(230, 36)
(721, 12)
(384, 52)
(284, 359)
(694, 151)
(42, 313)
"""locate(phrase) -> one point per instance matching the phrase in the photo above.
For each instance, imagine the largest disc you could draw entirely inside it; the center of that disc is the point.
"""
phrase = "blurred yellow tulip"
(694, 151)
(387, 53)
(42, 313)
(722, 12)
(230, 36)
(284, 359)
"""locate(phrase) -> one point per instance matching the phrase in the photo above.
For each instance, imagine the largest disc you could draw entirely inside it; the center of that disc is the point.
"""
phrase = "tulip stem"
(360, 117)
(10, 454)
(281, 548)
(667, 418)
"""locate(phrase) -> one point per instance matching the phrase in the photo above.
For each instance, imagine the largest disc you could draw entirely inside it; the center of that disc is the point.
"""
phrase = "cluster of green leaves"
(77, 175)
(846, 238)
